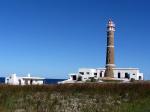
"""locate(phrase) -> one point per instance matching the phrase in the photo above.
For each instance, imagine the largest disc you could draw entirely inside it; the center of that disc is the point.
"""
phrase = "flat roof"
(114, 68)
(122, 68)
(34, 78)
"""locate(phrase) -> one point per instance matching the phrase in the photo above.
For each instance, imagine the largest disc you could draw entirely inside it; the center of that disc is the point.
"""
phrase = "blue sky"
(52, 38)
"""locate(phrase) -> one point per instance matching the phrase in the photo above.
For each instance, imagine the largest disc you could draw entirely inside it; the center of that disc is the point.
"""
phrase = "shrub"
(79, 78)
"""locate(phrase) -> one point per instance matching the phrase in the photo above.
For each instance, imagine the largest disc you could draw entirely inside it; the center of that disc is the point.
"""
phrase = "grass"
(93, 97)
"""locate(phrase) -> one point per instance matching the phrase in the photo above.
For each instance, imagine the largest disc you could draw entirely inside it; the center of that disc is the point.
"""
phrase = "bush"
(132, 80)
(79, 78)
(93, 79)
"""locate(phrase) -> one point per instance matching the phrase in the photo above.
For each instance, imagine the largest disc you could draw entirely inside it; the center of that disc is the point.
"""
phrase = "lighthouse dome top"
(110, 23)
(110, 26)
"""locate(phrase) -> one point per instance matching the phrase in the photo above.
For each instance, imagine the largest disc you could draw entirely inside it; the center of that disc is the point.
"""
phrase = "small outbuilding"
(13, 79)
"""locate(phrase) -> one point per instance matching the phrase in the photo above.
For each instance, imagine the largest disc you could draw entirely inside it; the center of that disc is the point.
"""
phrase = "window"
(119, 75)
(82, 73)
(127, 75)
(87, 72)
(95, 74)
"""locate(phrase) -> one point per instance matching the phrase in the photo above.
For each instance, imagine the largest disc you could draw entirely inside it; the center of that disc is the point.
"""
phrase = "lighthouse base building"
(120, 74)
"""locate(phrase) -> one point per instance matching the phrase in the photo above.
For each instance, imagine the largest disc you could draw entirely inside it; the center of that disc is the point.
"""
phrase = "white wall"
(133, 73)
(14, 80)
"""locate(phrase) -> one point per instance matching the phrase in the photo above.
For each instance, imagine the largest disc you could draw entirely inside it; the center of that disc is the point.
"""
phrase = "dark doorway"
(101, 73)
(74, 77)
(119, 75)
(127, 75)
(140, 78)
(19, 82)
(31, 81)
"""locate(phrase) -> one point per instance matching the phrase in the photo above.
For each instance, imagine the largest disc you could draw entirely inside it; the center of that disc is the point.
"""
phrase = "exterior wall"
(40, 82)
(132, 73)
(14, 80)
(88, 73)
(110, 48)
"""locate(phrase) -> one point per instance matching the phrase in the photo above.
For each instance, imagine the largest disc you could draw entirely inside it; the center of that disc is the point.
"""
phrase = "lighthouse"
(109, 72)
(110, 50)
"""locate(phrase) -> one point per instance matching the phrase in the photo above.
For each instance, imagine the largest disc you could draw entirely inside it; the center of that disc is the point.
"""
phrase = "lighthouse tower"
(110, 50)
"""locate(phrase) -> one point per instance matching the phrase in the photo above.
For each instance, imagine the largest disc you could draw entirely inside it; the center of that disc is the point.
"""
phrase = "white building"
(13, 79)
(85, 74)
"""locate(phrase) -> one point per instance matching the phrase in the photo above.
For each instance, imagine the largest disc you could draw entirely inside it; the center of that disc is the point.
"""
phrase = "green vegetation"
(89, 97)
(112, 81)
(79, 78)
